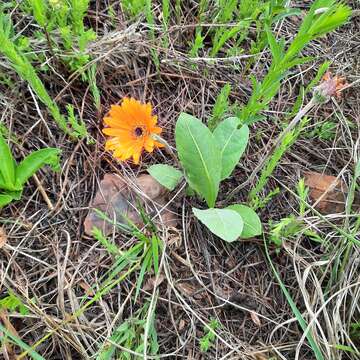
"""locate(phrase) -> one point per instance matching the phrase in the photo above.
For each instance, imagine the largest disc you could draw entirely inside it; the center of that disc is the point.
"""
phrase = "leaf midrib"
(227, 142)
(201, 157)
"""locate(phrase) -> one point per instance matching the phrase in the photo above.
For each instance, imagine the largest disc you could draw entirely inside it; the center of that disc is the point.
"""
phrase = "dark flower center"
(138, 131)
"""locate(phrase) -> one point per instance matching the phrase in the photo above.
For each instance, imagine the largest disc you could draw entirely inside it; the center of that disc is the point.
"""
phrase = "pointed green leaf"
(225, 223)
(232, 142)
(7, 162)
(166, 175)
(252, 223)
(34, 162)
(199, 155)
(275, 47)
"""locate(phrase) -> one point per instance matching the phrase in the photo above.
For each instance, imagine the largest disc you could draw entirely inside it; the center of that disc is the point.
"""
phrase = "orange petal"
(111, 144)
(136, 158)
(149, 145)
(116, 122)
(159, 144)
(156, 130)
(117, 132)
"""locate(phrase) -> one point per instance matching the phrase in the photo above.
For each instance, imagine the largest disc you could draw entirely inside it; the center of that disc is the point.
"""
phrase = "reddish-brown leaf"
(327, 193)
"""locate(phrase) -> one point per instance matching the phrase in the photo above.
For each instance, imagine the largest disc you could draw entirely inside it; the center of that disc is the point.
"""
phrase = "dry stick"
(43, 193)
(264, 160)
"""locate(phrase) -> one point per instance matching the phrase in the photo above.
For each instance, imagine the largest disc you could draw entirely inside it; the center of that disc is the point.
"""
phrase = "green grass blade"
(19, 343)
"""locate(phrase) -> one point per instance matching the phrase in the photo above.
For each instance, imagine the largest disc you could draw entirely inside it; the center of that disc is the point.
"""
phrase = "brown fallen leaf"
(3, 237)
(255, 318)
(186, 289)
(119, 202)
(182, 324)
(327, 193)
(151, 283)
(85, 286)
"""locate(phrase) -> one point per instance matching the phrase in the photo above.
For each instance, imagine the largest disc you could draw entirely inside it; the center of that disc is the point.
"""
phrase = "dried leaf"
(3, 237)
(151, 283)
(255, 318)
(182, 324)
(186, 288)
(85, 286)
(118, 201)
(326, 192)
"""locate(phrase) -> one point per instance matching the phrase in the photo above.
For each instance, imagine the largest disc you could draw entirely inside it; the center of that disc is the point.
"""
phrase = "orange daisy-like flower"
(131, 127)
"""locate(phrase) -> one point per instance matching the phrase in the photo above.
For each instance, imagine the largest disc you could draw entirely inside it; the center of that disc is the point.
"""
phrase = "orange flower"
(131, 127)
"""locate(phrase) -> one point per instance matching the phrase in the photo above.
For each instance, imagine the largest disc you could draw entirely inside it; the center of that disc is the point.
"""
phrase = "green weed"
(220, 108)
(68, 18)
(144, 253)
(134, 7)
(13, 176)
(259, 202)
(232, 21)
(324, 131)
(272, 162)
(199, 38)
(28, 73)
(291, 226)
(130, 335)
(12, 303)
(206, 159)
(207, 341)
(314, 25)
(165, 21)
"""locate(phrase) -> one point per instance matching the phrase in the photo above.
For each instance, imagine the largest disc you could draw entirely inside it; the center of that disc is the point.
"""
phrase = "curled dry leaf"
(329, 87)
(3, 237)
(182, 324)
(327, 193)
(118, 201)
(255, 318)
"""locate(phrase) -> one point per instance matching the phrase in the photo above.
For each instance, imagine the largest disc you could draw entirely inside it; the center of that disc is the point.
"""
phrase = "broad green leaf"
(5, 199)
(34, 162)
(7, 162)
(232, 142)
(225, 223)
(166, 175)
(199, 155)
(2, 182)
(252, 223)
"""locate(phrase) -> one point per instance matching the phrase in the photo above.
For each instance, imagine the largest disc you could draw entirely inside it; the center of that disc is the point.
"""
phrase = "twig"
(43, 193)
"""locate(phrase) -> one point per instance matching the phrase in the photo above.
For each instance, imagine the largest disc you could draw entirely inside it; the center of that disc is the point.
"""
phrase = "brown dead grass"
(51, 264)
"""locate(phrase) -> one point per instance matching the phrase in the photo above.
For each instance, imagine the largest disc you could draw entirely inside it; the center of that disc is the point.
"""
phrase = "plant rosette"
(206, 159)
